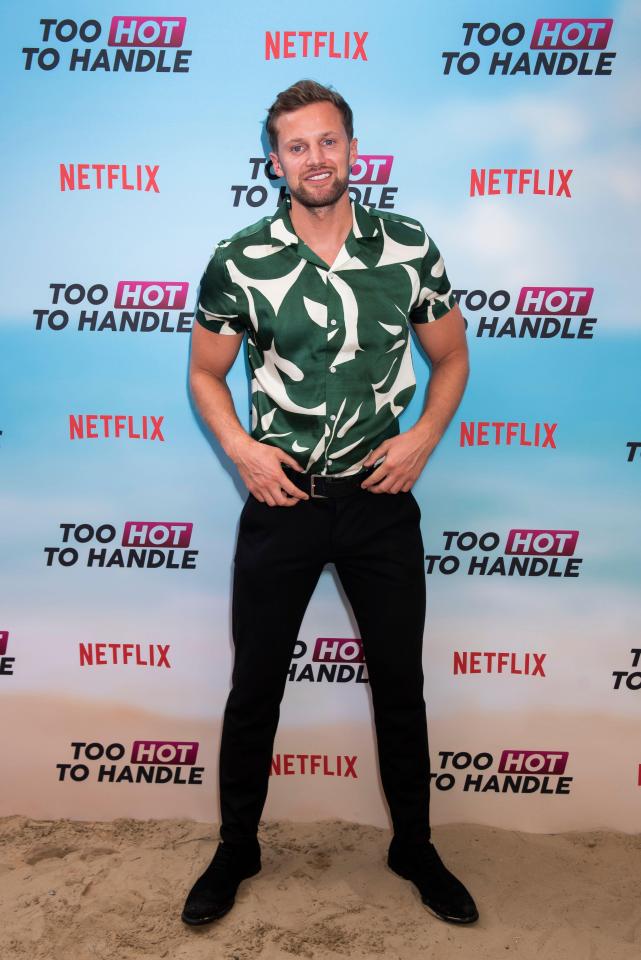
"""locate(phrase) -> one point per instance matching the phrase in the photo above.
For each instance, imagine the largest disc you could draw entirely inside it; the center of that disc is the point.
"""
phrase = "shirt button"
(332, 369)
(332, 416)
(330, 462)
(333, 322)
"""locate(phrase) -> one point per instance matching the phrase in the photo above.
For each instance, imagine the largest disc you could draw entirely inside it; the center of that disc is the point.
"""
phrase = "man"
(325, 291)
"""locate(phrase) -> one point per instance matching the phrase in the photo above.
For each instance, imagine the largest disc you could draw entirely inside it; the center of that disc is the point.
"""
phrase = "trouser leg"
(279, 558)
(380, 564)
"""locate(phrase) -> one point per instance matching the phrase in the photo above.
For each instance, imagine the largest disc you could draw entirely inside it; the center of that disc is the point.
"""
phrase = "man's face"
(314, 154)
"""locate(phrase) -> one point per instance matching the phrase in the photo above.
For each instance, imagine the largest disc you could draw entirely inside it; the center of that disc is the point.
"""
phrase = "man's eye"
(296, 148)
(329, 141)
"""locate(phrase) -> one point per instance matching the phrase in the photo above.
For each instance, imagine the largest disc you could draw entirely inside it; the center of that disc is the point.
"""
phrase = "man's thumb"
(375, 454)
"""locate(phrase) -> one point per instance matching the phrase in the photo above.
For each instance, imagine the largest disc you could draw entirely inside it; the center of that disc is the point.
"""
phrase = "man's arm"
(259, 464)
(405, 455)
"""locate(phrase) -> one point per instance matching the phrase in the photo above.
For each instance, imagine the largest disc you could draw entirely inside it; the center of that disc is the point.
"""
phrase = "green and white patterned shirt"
(328, 347)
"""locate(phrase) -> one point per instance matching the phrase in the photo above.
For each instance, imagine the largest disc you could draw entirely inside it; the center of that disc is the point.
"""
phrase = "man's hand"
(405, 456)
(259, 465)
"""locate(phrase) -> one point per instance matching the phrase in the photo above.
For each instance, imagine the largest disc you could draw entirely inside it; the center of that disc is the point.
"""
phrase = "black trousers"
(375, 542)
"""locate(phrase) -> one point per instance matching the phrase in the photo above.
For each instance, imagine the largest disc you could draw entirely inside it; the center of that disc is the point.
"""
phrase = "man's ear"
(353, 151)
(278, 170)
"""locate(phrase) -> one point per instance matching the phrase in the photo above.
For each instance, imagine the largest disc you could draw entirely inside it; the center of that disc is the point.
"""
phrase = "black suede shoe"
(214, 892)
(440, 891)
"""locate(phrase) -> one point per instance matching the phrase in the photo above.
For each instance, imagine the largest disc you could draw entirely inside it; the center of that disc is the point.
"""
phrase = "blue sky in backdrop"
(202, 128)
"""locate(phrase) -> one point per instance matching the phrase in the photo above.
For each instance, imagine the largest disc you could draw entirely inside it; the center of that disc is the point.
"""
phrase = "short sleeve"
(435, 297)
(220, 302)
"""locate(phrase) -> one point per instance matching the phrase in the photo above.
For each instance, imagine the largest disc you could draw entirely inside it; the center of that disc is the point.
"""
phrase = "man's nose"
(315, 154)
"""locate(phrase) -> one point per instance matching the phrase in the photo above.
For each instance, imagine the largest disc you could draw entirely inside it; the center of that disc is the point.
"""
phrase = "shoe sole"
(202, 920)
(439, 916)
(446, 919)
(198, 922)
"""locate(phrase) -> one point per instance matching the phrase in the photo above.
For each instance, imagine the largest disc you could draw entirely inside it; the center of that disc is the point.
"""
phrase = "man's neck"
(323, 229)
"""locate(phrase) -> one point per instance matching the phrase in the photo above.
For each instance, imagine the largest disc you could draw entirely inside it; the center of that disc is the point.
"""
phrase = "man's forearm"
(445, 389)
(215, 405)
(260, 465)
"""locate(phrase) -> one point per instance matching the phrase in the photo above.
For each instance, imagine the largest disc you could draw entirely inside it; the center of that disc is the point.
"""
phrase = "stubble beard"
(323, 199)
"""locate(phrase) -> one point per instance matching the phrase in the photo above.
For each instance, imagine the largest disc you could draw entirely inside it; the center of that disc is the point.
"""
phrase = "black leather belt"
(320, 486)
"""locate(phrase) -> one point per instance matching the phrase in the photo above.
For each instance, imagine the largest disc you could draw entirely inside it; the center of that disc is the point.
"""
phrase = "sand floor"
(99, 891)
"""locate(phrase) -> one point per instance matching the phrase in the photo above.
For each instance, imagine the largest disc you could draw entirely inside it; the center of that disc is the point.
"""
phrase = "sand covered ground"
(73, 890)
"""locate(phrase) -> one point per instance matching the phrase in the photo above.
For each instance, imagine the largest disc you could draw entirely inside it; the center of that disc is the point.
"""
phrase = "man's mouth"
(319, 177)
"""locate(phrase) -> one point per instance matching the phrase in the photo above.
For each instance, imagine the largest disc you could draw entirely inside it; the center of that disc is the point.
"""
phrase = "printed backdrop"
(133, 143)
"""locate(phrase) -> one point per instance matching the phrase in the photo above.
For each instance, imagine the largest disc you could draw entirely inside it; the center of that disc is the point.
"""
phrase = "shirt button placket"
(331, 399)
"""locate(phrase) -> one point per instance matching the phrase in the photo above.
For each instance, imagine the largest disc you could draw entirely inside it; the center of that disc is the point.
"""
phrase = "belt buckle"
(314, 478)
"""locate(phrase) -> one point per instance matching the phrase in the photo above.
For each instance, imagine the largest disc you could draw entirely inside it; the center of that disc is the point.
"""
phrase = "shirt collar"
(281, 229)
(363, 223)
